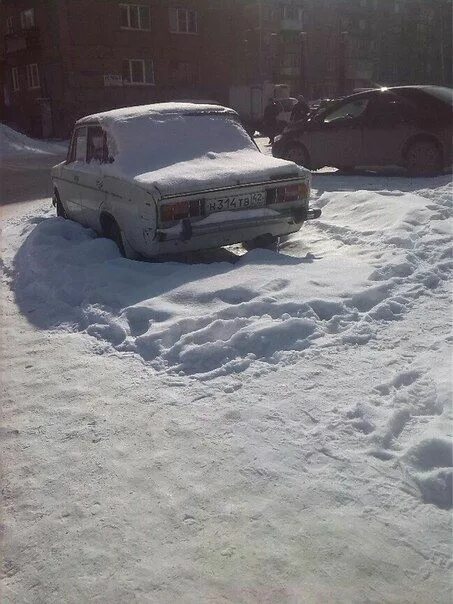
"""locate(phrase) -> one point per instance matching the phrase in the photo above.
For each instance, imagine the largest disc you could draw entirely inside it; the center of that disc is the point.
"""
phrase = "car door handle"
(100, 183)
(76, 178)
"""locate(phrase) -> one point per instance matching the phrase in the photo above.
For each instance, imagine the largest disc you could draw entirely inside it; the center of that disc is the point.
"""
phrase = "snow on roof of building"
(155, 110)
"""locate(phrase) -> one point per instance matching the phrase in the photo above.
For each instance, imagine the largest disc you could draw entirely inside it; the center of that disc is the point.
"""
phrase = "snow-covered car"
(173, 177)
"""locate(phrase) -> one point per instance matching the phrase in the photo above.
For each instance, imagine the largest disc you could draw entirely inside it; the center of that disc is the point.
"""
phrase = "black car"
(409, 126)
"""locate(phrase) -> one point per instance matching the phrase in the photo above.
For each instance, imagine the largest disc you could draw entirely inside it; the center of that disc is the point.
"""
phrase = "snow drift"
(267, 427)
(13, 143)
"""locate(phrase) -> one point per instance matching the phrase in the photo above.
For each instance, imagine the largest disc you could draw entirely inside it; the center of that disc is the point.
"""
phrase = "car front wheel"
(61, 212)
(423, 158)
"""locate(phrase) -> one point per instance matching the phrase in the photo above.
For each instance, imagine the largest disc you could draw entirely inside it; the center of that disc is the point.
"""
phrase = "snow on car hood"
(181, 150)
(217, 170)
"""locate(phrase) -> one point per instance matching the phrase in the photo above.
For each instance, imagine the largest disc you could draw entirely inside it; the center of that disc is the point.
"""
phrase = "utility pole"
(342, 63)
(302, 71)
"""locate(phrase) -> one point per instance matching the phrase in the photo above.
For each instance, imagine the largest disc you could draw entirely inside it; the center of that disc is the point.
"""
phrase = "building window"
(183, 21)
(33, 76)
(138, 71)
(27, 18)
(291, 60)
(292, 13)
(184, 73)
(15, 78)
(135, 17)
(9, 25)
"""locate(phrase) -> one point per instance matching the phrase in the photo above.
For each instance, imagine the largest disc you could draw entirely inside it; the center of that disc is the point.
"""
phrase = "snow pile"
(13, 143)
(258, 427)
(215, 319)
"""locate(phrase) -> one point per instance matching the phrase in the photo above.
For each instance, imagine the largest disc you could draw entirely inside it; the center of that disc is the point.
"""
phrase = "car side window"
(96, 145)
(389, 112)
(77, 151)
(350, 110)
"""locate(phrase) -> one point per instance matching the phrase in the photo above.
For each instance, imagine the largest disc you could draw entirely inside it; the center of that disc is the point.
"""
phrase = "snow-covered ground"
(232, 427)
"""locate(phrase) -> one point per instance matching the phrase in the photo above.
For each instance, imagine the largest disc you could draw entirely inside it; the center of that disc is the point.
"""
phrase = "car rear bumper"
(192, 237)
(187, 230)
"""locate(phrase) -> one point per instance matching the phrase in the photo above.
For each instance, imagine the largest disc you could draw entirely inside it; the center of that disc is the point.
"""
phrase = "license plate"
(235, 202)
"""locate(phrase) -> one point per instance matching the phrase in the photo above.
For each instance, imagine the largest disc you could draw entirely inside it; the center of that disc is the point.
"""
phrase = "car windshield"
(349, 110)
(151, 142)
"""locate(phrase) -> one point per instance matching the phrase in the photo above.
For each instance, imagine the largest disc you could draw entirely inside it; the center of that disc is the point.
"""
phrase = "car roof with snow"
(157, 110)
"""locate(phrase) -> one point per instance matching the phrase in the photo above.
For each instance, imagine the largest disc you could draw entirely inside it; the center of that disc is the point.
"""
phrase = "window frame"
(174, 11)
(72, 151)
(185, 73)
(33, 70)
(139, 17)
(23, 24)
(15, 79)
(143, 62)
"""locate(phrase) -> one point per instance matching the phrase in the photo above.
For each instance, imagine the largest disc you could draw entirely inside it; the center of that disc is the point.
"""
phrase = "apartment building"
(61, 59)
(325, 48)
(67, 58)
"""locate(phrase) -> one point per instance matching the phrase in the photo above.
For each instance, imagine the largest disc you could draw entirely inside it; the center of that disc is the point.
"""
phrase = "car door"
(337, 137)
(388, 123)
(68, 184)
(92, 176)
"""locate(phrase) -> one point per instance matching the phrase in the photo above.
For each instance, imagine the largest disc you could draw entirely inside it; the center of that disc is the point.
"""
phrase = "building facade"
(67, 58)
(61, 59)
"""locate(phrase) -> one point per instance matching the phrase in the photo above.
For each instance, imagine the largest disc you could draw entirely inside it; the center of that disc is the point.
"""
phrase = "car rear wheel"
(298, 155)
(423, 158)
(112, 231)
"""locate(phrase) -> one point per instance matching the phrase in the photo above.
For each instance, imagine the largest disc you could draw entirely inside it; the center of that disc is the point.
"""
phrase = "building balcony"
(23, 40)
(291, 25)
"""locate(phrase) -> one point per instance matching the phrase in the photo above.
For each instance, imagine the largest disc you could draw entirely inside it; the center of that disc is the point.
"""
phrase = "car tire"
(423, 158)
(112, 231)
(61, 212)
(267, 242)
(297, 154)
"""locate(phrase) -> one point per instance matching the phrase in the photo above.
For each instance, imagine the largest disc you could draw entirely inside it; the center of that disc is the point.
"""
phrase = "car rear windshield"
(152, 142)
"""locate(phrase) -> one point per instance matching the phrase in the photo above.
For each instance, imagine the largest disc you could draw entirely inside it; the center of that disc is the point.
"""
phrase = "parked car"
(173, 177)
(408, 126)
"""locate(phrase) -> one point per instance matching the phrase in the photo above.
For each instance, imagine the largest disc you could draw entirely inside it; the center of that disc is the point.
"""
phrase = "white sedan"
(173, 177)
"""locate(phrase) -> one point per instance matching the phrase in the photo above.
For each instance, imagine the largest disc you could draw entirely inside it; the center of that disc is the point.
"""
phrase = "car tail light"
(293, 192)
(179, 210)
